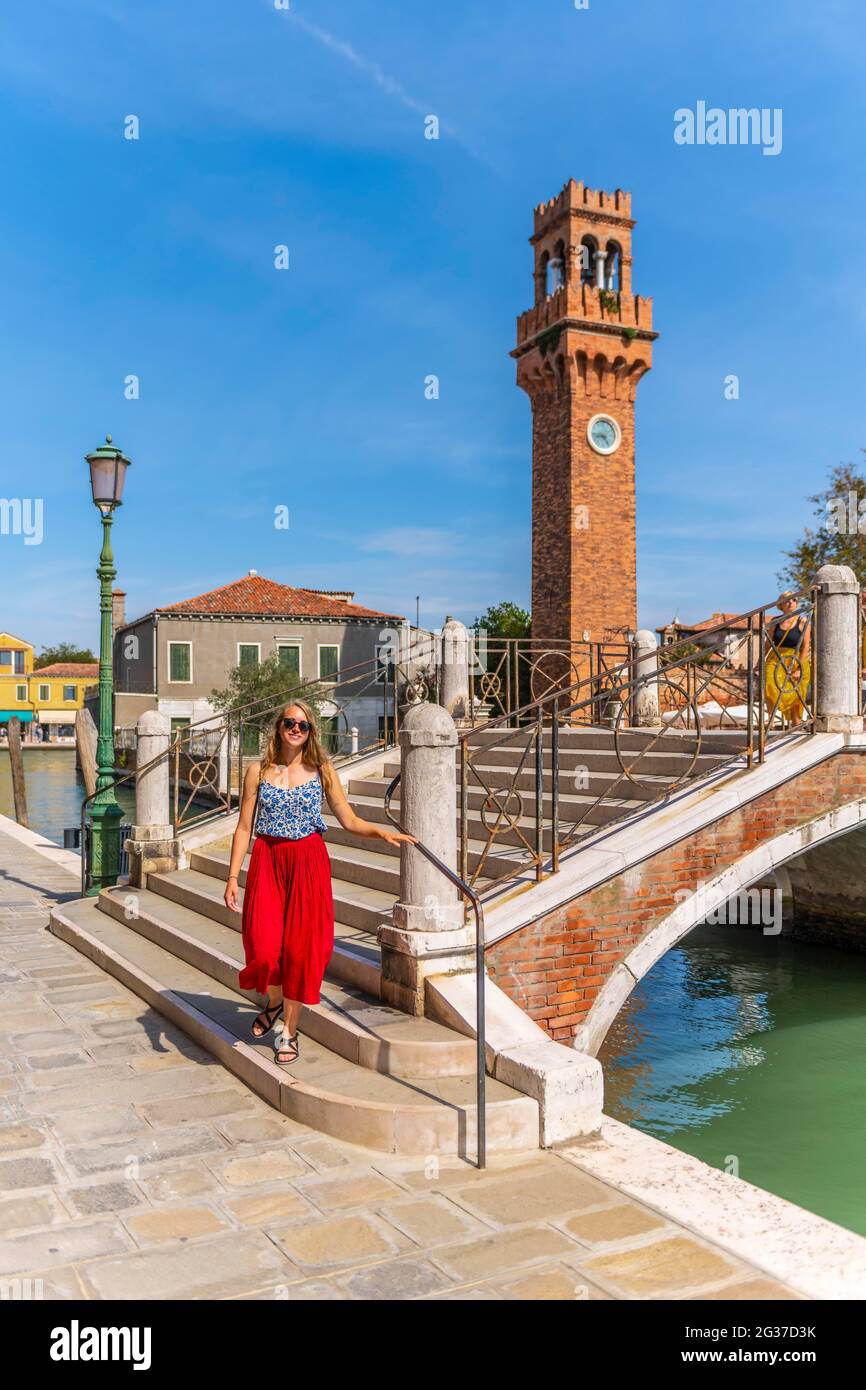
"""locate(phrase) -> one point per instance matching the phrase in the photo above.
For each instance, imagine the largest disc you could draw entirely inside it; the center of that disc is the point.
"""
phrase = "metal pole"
(750, 694)
(105, 811)
(539, 794)
(762, 680)
(554, 768)
(481, 1051)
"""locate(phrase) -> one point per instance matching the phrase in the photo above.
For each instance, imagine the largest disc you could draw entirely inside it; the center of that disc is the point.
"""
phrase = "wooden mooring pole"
(16, 757)
(85, 745)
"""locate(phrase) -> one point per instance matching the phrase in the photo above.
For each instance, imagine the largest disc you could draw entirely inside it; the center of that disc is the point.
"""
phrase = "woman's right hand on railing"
(231, 894)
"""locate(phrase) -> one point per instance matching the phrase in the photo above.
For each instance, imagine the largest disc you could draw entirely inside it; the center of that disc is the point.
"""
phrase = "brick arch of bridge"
(572, 969)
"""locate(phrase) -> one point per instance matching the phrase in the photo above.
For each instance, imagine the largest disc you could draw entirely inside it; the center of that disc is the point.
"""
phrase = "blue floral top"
(291, 812)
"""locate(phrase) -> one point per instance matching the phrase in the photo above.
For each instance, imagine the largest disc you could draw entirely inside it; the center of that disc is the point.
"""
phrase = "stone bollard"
(647, 664)
(454, 670)
(836, 651)
(152, 846)
(428, 935)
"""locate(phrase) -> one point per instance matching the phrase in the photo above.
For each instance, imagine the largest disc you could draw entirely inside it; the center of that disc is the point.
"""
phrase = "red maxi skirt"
(287, 926)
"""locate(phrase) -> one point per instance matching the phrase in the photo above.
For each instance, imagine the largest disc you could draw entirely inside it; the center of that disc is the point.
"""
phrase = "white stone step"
(354, 1024)
(406, 1115)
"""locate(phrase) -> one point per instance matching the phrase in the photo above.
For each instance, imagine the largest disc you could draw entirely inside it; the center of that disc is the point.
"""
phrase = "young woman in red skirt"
(288, 914)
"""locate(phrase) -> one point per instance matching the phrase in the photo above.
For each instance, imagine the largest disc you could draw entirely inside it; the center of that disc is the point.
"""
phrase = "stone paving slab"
(133, 1166)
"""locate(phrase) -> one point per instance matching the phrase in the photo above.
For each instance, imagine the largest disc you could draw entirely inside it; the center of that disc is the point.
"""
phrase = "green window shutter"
(328, 662)
(290, 660)
(248, 654)
(179, 661)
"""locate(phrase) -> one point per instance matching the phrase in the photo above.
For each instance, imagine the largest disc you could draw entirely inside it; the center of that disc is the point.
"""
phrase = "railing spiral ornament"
(679, 705)
(552, 670)
(505, 819)
(416, 690)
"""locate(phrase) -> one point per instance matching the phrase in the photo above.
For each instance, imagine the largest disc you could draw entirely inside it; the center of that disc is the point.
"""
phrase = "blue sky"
(305, 388)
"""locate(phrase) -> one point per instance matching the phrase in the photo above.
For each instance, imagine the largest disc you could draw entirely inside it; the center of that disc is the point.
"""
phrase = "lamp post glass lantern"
(108, 466)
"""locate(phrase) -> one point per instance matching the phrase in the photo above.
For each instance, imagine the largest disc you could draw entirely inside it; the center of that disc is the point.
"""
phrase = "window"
(384, 663)
(329, 733)
(613, 267)
(5, 657)
(19, 663)
(21, 693)
(45, 692)
(289, 657)
(176, 724)
(180, 662)
(588, 248)
(69, 692)
(248, 653)
(329, 661)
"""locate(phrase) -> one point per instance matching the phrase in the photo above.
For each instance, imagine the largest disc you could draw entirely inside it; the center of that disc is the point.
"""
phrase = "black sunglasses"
(302, 724)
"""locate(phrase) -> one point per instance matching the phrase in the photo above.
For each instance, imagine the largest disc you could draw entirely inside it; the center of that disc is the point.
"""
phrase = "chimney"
(118, 609)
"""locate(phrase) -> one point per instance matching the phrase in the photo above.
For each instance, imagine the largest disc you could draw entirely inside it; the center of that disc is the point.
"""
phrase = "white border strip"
(812, 1255)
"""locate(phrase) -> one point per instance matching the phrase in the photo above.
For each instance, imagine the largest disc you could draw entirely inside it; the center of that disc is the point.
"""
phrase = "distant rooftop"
(80, 669)
(254, 596)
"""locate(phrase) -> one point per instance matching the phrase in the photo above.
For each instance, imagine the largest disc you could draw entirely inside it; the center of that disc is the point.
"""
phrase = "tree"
(266, 687)
(840, 537)
(505, 620)
(65, 652)
(506, 680)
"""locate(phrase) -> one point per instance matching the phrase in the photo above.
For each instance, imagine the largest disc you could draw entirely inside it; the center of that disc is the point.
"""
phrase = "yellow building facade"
(45, 700)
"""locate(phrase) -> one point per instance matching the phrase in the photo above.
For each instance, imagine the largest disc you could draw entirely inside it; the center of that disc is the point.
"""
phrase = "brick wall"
(555, 968)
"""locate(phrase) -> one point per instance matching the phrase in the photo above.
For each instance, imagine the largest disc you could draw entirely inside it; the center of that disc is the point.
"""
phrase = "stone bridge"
(639, 890)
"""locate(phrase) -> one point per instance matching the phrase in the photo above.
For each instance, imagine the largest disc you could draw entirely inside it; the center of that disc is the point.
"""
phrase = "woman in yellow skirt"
(787, 666)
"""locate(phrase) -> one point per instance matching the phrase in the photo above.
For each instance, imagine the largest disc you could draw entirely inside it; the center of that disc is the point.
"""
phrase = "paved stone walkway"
(133, 1166)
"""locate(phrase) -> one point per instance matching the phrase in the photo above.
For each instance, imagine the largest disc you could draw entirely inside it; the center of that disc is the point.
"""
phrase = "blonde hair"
(313, 755)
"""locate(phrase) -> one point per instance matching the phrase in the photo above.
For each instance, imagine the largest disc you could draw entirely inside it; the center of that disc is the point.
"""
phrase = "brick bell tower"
(581, 351)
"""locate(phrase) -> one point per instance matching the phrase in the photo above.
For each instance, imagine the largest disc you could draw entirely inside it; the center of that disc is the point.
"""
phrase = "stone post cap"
(152, 722)
(426, 725)
(836, 579)
(453, 625)
(646, 639)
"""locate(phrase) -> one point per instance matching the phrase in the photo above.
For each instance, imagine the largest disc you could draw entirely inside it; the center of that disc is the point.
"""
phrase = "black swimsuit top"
(789, 637)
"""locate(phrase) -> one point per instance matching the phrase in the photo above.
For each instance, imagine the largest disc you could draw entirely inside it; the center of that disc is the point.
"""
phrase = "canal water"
(749, 1052)
(55, 791)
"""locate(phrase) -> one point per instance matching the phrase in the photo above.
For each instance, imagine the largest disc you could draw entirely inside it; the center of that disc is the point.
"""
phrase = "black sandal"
(289, 1045)
(268, 1013)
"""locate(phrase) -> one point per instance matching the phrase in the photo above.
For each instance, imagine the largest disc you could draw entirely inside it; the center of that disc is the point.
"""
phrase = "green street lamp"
(108, 467)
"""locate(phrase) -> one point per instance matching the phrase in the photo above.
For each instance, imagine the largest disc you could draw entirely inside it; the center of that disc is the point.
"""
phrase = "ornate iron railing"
(741, 677)
(508, 673)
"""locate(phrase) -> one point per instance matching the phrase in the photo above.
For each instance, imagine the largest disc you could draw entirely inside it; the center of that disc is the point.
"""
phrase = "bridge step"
(394, 1114)
(356, 1025)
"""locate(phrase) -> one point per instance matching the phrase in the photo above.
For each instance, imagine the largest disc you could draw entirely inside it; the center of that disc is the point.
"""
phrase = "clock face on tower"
(604, 434)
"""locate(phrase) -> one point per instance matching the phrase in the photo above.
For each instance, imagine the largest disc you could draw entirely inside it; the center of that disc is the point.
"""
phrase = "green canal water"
(55, 791)
(749, 1052)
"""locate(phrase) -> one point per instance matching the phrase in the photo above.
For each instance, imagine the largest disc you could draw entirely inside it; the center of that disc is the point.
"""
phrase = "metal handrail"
(480, 977)
(624, 682)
